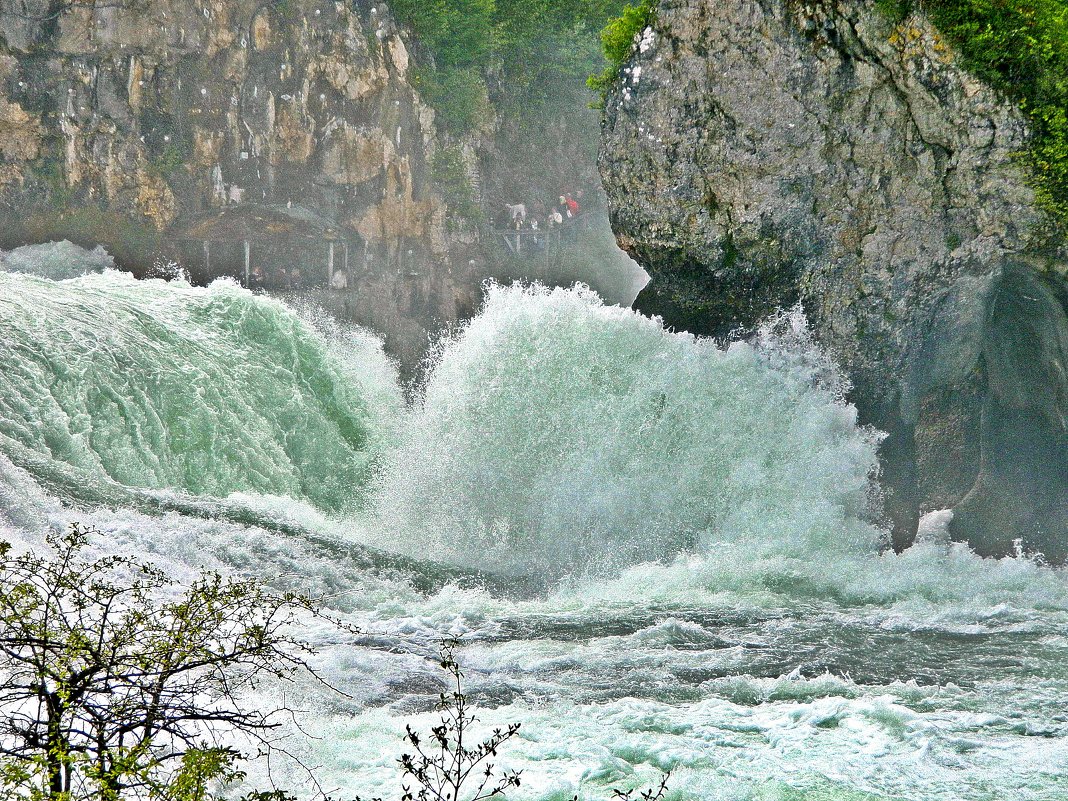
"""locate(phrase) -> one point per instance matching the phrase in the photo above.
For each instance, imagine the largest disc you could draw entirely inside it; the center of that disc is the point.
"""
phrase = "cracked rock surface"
(760, 153)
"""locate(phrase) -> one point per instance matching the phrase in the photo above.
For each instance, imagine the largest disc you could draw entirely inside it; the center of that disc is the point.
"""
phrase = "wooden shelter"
(268, 237)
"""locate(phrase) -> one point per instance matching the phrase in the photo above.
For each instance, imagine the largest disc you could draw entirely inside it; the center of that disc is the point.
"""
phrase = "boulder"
(763, 153)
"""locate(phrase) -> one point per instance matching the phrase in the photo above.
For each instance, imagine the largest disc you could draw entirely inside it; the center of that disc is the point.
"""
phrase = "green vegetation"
(449, 173)
(517, 54)
(458, 95)
(515, 71)
(896, 10)
(169, 161)
(459, 33)
(116, 683)
(1019, 47)
(617, 39)
(112, 678)
(449, 764)
(51, 171)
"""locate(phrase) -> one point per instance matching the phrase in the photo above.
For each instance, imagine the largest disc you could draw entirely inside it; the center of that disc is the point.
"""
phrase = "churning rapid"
(660, 553)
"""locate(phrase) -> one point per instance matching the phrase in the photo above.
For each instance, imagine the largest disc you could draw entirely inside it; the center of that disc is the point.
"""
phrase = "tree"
(115, 682)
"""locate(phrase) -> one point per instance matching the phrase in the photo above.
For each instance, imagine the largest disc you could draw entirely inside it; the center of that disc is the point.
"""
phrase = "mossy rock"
(1019, 47)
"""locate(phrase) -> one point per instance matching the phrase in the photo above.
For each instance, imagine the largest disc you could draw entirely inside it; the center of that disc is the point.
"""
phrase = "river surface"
(659, 553)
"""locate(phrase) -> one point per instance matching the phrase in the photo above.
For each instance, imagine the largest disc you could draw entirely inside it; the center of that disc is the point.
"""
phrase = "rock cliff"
(760, 153)
(133, 118)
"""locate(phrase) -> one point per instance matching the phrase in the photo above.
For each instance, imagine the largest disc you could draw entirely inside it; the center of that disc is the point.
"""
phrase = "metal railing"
(530, 242)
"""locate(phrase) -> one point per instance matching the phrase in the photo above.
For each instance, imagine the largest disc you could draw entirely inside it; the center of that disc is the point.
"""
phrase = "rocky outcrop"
(758, 153)
(155, 112)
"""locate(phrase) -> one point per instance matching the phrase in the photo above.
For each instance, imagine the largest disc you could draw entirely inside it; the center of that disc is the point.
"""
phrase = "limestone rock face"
(758, 153)
(157, 111)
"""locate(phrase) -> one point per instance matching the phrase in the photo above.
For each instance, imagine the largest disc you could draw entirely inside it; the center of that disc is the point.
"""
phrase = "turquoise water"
(660, 554)
(156, 385)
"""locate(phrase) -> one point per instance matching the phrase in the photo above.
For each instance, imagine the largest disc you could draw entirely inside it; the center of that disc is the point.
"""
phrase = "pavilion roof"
(253, 221)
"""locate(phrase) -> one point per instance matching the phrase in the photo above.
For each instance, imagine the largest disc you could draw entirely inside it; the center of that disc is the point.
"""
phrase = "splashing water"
(57, 260)
(557, 432)
(717, 601)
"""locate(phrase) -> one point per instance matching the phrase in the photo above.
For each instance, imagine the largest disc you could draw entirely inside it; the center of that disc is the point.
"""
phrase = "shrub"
(447, 766)
(460, 33)
(169, 161)
(618, 40)
(461, 37)
(449, 173)
(444, 765)
(532, 48)
(458, 94)
(618, 36)
(896, 10)
(111, 677)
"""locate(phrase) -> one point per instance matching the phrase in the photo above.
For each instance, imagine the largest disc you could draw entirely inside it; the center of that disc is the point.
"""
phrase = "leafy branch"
(115, 682)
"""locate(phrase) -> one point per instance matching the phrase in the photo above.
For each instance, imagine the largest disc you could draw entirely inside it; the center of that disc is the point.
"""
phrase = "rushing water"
(659, 553)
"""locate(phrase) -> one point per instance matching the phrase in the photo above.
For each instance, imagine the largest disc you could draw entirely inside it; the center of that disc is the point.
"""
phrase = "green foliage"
(273, 795)
(460, 35)
(1019, 47)
(285, 9)
(449, 173)
(618, 38)
(169, 161)
(896, 10)
(458, 94)
(199, 769)
(110, 674)
(532, 49)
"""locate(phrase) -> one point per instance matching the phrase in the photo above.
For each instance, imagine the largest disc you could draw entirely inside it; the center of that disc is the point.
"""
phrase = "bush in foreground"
(447, 766)
(115, 683)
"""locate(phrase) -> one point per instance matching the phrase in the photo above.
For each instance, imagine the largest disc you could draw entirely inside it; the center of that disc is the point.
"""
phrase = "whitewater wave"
(560, 435)
(115, 382)
(717, 600)
(557, 440)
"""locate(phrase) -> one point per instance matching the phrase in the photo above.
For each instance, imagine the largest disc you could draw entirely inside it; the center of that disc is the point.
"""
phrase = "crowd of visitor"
(542, 216)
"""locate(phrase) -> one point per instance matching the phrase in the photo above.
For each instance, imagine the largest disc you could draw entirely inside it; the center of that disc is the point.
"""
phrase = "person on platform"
(517, 212)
